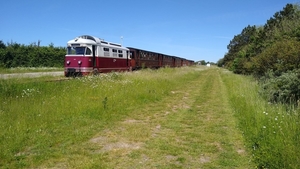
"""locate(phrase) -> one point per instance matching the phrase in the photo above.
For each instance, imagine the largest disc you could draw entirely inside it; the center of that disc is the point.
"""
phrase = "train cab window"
(106, 49)
(88, 51)
(75, 50)
(70, 51)
(120, 51)
(114, 50)
(120, 55)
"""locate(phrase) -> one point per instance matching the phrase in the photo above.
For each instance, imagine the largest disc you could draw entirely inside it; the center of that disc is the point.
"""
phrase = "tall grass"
(271, 131)
(40, 120)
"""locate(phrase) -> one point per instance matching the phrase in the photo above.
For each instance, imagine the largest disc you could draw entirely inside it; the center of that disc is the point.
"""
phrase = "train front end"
(80, 56)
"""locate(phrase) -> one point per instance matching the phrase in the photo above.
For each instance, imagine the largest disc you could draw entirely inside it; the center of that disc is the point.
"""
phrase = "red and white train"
(88, 54)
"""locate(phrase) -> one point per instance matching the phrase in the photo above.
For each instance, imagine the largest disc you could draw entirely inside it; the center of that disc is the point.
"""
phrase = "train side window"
(132, 55)
(106, 52)
(120, 55)
(115, 52)
(120, 51)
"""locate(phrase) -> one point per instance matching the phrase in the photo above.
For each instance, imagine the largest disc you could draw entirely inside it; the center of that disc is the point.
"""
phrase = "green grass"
(168, 118)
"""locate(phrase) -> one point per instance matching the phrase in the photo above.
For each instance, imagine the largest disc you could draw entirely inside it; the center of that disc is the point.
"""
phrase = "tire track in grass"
(221, 142)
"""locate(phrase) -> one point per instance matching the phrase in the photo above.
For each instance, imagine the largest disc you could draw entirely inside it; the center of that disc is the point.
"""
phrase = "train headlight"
(68, 62)
(79, 62)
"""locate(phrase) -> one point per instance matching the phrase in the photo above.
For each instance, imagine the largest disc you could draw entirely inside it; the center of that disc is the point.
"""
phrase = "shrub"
(284, 88)
(282, 56)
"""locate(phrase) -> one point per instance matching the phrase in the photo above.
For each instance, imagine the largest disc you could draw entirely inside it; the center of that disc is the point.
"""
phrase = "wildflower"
(276, 118)
(264, 127)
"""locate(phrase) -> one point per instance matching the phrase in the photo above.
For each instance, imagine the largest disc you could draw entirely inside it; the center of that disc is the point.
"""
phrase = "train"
(91, 55)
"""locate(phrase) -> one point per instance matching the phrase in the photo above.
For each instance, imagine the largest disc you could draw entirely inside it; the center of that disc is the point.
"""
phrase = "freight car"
(88, 54)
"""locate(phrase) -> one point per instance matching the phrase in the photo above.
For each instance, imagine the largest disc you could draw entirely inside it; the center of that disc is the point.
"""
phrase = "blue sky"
(192, 29)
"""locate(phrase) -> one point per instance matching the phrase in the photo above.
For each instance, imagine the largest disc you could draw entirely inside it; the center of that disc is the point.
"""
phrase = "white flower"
(264, 127)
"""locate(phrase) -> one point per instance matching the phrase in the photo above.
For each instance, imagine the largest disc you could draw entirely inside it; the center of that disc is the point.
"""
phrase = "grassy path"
(193, 128)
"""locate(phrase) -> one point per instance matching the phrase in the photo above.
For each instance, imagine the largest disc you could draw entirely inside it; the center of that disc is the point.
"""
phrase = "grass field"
(168, 118)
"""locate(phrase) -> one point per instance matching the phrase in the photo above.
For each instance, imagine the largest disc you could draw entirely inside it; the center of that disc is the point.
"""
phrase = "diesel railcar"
(88, 54)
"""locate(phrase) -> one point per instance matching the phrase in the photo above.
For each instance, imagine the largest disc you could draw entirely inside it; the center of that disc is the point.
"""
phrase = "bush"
(284, 88)
(18, 55)
(282, 56)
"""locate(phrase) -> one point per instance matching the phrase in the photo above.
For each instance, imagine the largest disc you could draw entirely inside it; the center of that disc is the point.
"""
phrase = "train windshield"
(78, 51)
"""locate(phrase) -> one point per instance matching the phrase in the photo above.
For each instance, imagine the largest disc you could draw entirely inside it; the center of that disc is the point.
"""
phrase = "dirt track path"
(30, 75)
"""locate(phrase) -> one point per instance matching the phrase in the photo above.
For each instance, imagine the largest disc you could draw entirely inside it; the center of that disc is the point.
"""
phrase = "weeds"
(104, 102)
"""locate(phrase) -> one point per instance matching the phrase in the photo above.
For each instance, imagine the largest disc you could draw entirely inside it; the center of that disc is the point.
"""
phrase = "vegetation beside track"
(271, 131)
(33, 55)
(166, 118)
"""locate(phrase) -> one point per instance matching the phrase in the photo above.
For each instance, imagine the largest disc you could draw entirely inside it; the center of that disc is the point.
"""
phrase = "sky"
(192, 29)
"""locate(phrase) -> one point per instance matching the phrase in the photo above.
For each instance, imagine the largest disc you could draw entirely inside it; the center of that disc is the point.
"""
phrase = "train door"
(94, 56)
(173, 62)
(159, 60)
(128, 60)
(133, 59)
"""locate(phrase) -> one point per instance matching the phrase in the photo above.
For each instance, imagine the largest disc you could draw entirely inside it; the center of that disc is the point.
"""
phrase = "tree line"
(19, 55)
(271, 53)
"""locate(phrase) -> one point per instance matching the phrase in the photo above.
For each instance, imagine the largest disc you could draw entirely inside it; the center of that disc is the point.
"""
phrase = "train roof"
(146, 51)
(87, 39)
